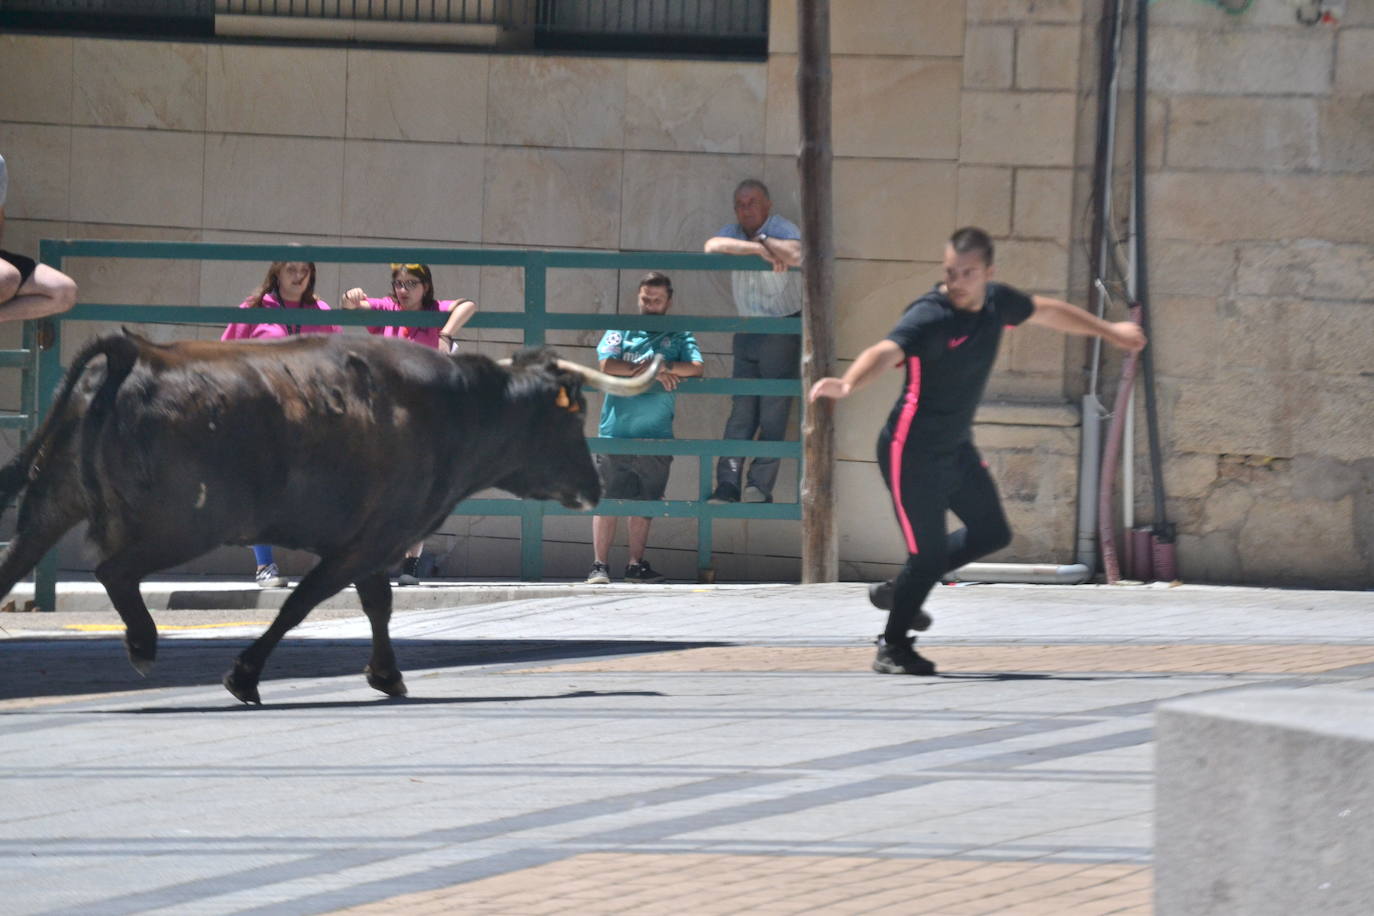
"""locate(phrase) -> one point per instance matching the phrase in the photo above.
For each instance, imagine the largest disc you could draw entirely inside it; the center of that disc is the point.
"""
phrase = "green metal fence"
(43, 369)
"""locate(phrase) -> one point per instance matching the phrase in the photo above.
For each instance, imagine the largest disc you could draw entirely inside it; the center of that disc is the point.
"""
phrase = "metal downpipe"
(1022, 573)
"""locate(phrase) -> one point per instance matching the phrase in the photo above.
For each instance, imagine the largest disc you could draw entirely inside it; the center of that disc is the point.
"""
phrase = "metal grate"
(738, 27)
(733, 18)
(189, 9)
(449, 11)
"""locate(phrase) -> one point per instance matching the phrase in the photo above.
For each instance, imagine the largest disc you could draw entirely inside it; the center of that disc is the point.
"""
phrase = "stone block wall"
(1261, 231)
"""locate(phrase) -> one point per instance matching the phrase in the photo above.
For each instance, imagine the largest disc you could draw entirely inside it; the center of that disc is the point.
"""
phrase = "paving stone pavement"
(675, 749)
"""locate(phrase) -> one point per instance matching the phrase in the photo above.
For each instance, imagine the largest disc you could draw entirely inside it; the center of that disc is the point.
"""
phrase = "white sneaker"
(270, 577)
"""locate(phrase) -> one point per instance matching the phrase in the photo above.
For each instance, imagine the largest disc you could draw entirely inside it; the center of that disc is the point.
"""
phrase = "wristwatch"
(760, 237)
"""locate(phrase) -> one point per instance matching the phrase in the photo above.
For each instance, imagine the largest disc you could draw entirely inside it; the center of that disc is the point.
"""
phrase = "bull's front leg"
(382, 673)
(330, 575)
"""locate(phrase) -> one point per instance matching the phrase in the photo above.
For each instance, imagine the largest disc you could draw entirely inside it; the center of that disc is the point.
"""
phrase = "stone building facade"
(946, 112)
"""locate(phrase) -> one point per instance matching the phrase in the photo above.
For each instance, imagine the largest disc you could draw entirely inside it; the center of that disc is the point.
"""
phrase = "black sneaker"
(880, 596)
(600, 574)
(901, 658)
(725, 493)
(409, 567)
(642, 573)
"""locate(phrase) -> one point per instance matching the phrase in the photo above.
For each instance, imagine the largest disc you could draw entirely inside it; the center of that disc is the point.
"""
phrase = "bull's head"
(563, 468)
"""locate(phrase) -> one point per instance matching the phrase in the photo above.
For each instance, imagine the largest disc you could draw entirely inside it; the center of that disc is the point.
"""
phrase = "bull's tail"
(121, 353)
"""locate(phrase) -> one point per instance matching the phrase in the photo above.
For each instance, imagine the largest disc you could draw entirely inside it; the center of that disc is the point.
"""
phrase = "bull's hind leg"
(121, 573)
(140, 633)
(382, 674)
(327, 578)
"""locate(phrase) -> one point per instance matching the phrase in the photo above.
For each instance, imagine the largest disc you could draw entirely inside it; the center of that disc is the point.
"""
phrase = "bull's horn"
(617, 384)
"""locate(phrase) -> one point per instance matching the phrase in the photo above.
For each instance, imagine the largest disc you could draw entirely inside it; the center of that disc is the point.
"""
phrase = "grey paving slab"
(165, 795)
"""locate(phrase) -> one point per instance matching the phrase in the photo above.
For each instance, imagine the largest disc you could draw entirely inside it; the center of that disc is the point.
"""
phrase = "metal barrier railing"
(45, 370)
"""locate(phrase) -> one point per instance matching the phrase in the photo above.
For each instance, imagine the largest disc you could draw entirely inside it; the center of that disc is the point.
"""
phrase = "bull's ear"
(566, 402)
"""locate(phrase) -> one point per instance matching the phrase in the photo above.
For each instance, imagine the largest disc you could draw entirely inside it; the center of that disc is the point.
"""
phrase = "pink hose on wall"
(1106, 527)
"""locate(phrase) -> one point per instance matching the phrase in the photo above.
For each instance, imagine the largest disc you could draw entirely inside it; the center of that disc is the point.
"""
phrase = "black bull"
(351, 448)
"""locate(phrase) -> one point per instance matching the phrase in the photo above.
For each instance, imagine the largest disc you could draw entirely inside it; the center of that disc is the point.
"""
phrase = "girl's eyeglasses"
(406, 285)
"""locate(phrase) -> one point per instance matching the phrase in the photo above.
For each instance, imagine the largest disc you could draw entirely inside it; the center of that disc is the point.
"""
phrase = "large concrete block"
(676, 201)
(1355, 61)
(391, 96)
(1224, 416)
(1018, 128)
(700, 106)
(1195, 268)
(1212, 206)
(1265, 804)
(1021, 11)
(989, 57)
(904, 108)
(1043, 206)
(782, 131)
(290, 91)
(1285, 541)
(1034, 266)
(153, 84)
(1305, 269)
(870, 296)
(892, 209)
(1185, 336)
(440, 197)
(985, 198)
(144, 177)
(1047, 57)
(552, 197)
(36, 72)
(38, 159)
(556, 101)
(257, 183)
(1336, 338)
(1330, 415)
(1346, 132)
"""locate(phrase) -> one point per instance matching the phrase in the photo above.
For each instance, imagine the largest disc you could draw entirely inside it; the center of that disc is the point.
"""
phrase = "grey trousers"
(759, 356)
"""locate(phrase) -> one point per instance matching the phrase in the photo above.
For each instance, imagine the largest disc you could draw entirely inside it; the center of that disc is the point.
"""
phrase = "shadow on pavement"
(47, 667)
(232, 705)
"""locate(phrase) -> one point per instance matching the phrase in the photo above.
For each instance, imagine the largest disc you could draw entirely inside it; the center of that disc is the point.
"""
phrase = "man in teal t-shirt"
(645, 416)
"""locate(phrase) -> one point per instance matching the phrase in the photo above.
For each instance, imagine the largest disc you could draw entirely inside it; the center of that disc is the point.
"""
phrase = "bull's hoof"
(391, 684)
(243, 685)
(141, 657)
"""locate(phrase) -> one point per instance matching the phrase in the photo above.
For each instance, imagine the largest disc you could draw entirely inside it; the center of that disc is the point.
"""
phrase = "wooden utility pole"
(820, 548)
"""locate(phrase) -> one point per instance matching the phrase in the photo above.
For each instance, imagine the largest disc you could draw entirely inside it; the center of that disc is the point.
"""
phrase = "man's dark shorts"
(25, 266)
(633, 476)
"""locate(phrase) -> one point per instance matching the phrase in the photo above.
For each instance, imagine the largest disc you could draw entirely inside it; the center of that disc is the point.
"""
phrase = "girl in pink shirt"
(289, 286)
(412, 289)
